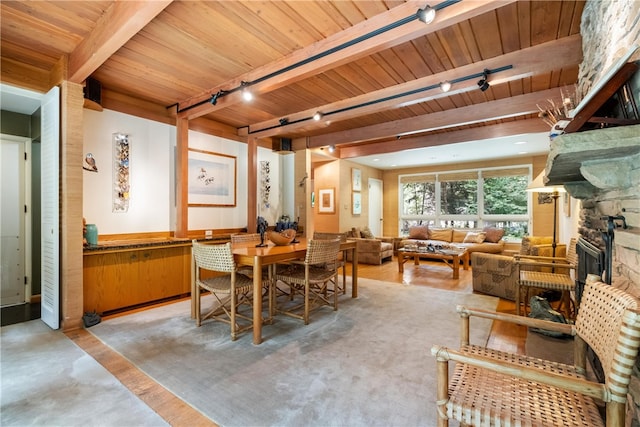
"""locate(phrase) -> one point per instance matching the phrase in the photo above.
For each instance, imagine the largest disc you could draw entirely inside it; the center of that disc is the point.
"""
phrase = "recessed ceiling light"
(519, 142)
(376, 160)
(523, 152)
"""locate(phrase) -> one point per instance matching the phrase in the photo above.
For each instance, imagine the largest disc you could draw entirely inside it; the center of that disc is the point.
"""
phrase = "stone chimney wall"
(609, 29)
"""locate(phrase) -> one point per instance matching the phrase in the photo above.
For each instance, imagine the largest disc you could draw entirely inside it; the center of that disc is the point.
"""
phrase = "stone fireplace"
(601, 167)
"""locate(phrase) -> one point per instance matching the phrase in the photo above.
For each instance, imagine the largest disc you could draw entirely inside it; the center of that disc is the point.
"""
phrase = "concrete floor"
(49, 381)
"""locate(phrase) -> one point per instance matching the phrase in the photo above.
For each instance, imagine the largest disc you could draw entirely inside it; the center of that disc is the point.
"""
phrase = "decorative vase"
(91, 234)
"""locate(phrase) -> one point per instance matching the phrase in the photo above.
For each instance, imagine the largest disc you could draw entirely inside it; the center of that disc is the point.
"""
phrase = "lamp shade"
(538, 186)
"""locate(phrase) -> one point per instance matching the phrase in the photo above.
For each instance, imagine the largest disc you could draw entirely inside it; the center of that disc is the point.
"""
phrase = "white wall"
(152, 177)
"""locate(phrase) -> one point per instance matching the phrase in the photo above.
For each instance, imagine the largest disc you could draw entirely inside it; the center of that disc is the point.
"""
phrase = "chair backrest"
(214, 257)
(318, 235)
(572, 252)
(608, 321)
(245, 237)
(321, 251)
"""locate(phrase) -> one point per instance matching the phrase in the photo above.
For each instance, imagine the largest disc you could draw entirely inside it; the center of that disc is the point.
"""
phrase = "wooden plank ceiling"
(369, 66)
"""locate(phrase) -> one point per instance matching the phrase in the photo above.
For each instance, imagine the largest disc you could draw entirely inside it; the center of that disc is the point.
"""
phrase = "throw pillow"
(443, 235)
(419, 232)
(366, 233)
(355, 232)
(493, 235)
(473, 237)
(458, 236)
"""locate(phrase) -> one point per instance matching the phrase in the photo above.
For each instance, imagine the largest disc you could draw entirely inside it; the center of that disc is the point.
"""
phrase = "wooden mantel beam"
(122, 20)
(525, 62)
(493, 110)
(197, 106)
(517, 127)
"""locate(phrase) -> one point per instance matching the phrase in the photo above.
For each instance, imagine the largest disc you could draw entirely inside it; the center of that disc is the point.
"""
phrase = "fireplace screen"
(591, 260)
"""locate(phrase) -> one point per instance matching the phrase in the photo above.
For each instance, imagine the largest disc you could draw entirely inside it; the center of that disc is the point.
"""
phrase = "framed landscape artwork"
(211, 179)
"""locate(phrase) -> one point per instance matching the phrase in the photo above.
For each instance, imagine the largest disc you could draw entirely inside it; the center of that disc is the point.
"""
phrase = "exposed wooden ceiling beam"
(459, 12)
(123, 20)
(487, 111)
(526, 62)
(477, 133)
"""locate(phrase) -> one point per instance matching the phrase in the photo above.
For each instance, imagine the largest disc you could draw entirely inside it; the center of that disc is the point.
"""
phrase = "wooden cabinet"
(117, 279)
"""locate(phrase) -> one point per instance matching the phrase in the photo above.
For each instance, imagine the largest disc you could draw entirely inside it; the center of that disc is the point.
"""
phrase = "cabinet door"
(109, 280)
(162, 273)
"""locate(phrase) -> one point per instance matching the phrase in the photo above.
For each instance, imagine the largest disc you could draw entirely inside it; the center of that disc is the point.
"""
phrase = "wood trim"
(166, 404)
(71, 156)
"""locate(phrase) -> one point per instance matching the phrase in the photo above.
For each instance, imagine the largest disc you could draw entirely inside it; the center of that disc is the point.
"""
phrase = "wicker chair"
(230, 290)
(268, 284)
(557, 277)
(311, 278)
(342, 256)
(490, 387)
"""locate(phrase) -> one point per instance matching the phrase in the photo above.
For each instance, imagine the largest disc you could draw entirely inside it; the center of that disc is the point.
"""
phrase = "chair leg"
(518, 290)
(232, 315)
(197, 306)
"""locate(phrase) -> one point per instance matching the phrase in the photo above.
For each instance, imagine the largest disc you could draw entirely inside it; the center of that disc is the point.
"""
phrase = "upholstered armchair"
(497, 275)
(372, 250)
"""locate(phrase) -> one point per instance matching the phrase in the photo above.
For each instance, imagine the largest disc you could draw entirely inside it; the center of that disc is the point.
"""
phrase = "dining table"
(248, 254)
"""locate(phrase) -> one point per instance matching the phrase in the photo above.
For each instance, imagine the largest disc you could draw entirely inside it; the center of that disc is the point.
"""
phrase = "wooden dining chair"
(491, 387)
(230, 290)
(311, 280)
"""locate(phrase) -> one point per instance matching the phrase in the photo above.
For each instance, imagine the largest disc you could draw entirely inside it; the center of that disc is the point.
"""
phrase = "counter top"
(151, 243)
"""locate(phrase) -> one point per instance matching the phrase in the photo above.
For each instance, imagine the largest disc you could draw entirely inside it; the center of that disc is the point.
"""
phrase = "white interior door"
(50, 246)
(12, 221)
(375, 206)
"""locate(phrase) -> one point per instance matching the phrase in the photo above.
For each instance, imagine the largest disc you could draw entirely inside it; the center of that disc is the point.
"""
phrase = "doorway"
(375, 206)
(13, 248)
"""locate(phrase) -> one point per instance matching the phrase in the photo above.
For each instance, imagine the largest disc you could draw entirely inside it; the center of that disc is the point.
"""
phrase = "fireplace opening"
(591, 260)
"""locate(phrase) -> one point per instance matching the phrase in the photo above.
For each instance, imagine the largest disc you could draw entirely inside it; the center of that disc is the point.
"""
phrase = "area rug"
(367, 364)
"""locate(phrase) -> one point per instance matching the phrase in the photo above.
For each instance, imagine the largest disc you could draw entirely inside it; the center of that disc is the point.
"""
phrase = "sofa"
(488, 240)
(497, 275)
(371, 250)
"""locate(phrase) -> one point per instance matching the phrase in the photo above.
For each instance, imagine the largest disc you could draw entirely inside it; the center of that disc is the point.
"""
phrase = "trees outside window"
(467, 199)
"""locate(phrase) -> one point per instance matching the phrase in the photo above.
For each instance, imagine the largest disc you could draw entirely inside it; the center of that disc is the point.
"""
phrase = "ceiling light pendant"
(426, 15)
(445, 86)
(317, 116)
(483, 84)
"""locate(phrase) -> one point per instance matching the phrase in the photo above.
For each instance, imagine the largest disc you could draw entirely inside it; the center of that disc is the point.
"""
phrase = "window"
(467, 199)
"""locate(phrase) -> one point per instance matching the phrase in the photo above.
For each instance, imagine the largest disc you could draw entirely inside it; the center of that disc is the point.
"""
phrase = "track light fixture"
(284, 121)
(426, 15)
(332, 148)
(445, 86)
(216, 96)
(483, 84)
(246, 93)
(317, 116)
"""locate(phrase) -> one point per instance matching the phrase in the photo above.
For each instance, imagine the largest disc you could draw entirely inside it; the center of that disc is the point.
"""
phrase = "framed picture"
(357, 203)
(211, 179)
(356, 179)
(326, 201)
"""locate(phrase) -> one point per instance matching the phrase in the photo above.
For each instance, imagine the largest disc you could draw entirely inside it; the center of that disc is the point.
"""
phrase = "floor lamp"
(538, 186)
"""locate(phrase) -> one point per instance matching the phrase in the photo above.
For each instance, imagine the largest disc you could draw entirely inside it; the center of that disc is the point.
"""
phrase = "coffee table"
(451, 257)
